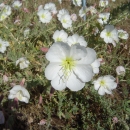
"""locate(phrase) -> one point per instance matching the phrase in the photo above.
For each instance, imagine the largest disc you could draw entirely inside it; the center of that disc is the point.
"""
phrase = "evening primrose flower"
(50, 7)
(103, 18)
(16, 4)
(74, 39)
(103, 3)
(44, 16)
(77, 2)
(110, 35)
(82, 12)
(95, 65)
(60, 1)
(3, 45)
(62, 13)
(20, 93)
(123, 34)
(69, 66)
(5, 12)
(66, 21)
(2, 6)
(120, 70)
(60, 36)
(23, 62)
(92, 10)
(105, 84)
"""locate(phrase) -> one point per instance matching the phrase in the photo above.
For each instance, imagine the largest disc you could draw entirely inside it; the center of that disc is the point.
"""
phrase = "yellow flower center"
(43, 16)
(108, 34)
(68, 64)
(58, 39)
(104, 18)
(3, 17)
(64, 21)
(102, 83)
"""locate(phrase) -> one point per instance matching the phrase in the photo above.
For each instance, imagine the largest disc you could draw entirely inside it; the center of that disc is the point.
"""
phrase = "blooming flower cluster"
(5, 11)
(72, 68)
(83, 11)
(75, 65)
(45, 13)
(64, 18)
(71, 62)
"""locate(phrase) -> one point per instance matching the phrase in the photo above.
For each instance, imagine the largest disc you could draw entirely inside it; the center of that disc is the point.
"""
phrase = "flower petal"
(57, 52)
(59, 82)
(89, 58)
(11, 96)
(101, 91)
(96, 85)
(84, 72)
(78, 52)
(24, 99)
(52, 70)
(74, 84)
(108, 91)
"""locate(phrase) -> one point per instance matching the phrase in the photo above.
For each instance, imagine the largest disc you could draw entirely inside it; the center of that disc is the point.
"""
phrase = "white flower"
(103, 18)
(103, 3)
(74, 17)
(66, 21)
(26, 32)
(120, 70)
(123, 34)
(105, 84)
(110, 34)
(74, 39)
(60, 1)
(44, 16)
(77, 2)
(5, 12)
(60, 36)
(113, 0)
(92, 10)
(3, 16)
(20, 93)
(50, 7)
(40, 7)
(69, 66)
(62, 13)
(2, 6)
(82, 12)
(3, 45)
(23, 62)
(95, 65)
(16, 4)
